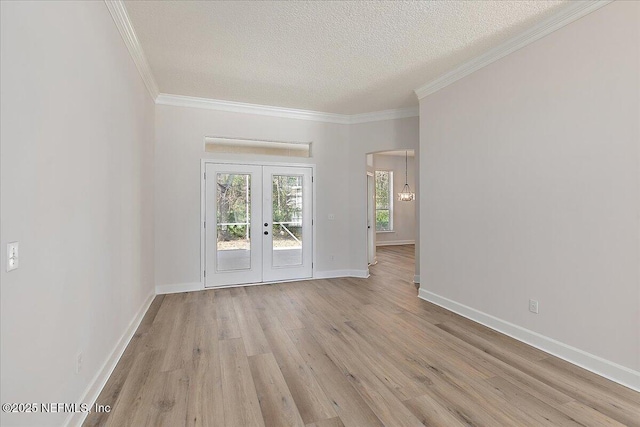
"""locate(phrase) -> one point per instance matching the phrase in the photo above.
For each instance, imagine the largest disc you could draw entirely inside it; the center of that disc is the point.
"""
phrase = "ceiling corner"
(123, 23)
(574, 11)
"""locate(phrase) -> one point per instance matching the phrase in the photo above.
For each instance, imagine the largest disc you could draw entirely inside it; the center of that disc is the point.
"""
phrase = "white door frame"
(203, 165)
(371, 220)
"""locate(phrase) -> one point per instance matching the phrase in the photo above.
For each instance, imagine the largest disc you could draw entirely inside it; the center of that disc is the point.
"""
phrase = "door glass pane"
(233, 202)
(287, 220)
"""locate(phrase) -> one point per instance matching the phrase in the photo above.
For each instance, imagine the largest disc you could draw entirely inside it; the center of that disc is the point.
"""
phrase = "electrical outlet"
(12, 256)
(331, 258)
(331, 217)
(79, 363)
(533, 306)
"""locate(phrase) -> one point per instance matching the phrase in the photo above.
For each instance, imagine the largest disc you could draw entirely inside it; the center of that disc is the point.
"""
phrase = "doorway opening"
(391, 215)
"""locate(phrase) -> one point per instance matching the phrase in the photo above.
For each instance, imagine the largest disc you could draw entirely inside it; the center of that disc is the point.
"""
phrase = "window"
(384, 200)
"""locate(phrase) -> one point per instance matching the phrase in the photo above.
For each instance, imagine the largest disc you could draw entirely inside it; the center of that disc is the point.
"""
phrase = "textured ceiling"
(341, 57)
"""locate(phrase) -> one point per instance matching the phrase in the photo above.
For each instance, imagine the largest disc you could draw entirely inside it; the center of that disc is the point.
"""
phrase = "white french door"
(233, 248)
(287, 214)
(257, 224)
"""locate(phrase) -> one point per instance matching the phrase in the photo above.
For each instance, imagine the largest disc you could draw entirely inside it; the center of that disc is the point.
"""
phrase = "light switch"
(12, 256)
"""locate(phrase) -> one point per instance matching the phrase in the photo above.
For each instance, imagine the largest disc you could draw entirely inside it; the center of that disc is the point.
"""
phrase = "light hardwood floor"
(343, 352)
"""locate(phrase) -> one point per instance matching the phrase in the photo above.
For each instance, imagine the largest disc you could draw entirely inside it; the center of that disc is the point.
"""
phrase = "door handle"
(266, 232)
(266, 224)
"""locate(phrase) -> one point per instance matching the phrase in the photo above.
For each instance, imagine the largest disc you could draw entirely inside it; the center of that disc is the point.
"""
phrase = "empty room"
(320, 213)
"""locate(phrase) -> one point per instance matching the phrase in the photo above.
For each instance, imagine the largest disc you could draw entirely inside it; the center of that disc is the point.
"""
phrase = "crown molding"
(376, 116)
(241, 107)
(122, 21)
(289, 113)
(574, 11)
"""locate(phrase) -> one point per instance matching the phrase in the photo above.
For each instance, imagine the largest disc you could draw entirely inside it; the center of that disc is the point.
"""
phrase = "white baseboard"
(416, 278)
(197, 286)
(396, 242)
(605, 368)
(98, 382)
(179, 287)
(331, 274)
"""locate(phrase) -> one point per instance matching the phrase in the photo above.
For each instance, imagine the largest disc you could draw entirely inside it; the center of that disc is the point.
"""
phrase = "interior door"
(233, 211)
(287, 226)
(258, 224)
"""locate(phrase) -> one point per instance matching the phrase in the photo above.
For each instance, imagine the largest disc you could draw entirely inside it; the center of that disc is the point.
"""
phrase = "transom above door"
(258, 224)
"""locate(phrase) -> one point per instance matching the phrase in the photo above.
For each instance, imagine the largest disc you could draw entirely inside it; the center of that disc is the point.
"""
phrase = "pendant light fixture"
(406, 195)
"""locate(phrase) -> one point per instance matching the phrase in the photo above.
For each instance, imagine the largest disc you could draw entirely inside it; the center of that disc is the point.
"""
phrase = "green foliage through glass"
(234, 206)
(384, 201)
(287, 206)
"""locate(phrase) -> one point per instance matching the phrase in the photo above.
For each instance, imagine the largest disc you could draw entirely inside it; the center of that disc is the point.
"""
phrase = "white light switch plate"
(12, 256)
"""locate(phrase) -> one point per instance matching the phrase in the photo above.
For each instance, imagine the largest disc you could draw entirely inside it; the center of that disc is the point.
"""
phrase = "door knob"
(266, 224)
(266, 232)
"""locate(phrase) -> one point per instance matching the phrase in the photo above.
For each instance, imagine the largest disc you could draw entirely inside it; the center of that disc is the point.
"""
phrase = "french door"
(257, 224)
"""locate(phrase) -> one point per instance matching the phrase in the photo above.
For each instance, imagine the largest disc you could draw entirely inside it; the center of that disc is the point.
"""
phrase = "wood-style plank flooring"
(343, 352)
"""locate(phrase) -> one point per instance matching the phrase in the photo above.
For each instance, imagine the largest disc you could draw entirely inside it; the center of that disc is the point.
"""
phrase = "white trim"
(396, 242)
(122, 21)
(314, 235)
(332, 274)
(179, 287)
(574, 11)
(605, 368)
(98, 382)
(203, 216)
(241, 107)
(376, 116)
(288, 113)
(195, 287)
(304, 146)
(416, 278)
